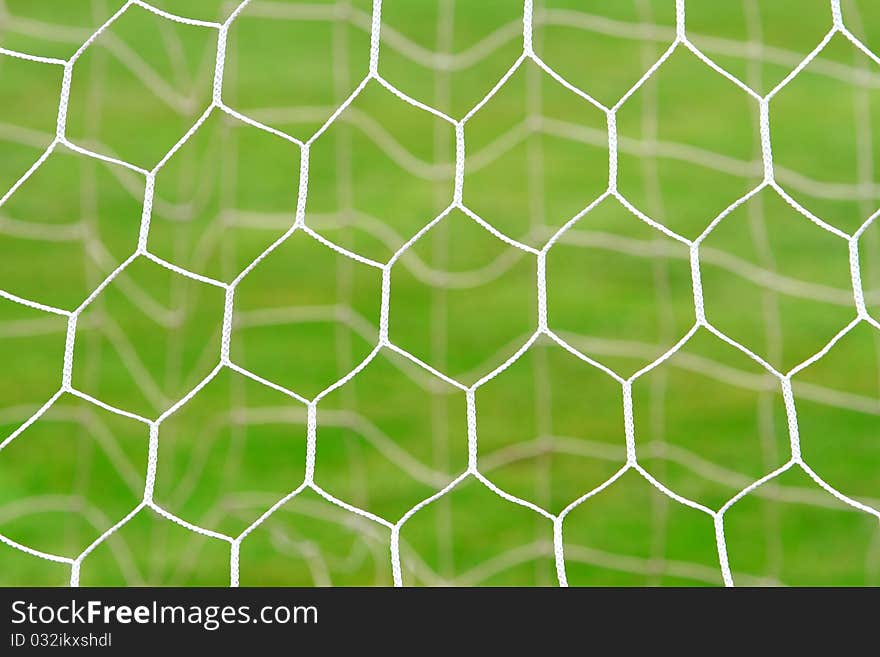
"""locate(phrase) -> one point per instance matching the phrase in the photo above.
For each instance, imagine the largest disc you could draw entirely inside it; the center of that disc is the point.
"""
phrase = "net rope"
(774, 178)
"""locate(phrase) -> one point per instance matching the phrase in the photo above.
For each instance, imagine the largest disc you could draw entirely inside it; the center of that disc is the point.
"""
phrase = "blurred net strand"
(325, 420)
(484, 48)
(770, 312)
(658, 386)
(570, 131)
(681, 39)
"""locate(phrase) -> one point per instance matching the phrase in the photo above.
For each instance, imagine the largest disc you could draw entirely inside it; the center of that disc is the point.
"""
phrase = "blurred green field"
(708, 421)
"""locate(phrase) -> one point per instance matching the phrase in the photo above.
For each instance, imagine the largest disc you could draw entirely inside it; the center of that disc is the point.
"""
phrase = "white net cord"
(458, 202)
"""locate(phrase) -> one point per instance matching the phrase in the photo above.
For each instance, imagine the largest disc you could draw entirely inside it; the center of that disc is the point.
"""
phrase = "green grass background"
(550, 428)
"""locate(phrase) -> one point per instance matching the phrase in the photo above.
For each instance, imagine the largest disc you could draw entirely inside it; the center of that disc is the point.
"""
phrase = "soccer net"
(519, 294)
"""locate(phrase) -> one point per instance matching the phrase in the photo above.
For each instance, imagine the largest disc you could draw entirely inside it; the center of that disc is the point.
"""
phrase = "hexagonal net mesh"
(538, 250)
